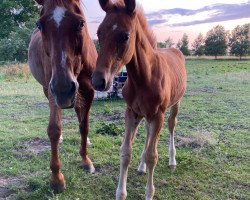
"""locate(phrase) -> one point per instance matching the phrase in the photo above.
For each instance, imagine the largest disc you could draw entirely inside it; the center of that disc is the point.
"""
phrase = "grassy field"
(213, 141)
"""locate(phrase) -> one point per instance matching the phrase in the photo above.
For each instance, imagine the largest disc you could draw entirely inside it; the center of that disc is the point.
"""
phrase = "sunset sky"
(173, 18)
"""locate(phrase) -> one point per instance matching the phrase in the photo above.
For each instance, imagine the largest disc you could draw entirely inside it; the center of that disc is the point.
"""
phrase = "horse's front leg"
(132, 121)
(57, 182)
(82, 109)
(151, 154)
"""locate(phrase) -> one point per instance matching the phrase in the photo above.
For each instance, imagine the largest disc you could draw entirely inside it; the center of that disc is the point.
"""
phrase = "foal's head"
(62, 26)
(117, 41)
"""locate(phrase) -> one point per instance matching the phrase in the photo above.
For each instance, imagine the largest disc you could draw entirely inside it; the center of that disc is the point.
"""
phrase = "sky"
(174, 18)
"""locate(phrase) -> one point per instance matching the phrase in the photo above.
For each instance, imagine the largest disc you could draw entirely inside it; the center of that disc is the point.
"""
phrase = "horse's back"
(35, 57)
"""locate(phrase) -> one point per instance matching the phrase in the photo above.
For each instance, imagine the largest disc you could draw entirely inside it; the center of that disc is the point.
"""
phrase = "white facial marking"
(58, 15)
(114, 27)
(63, 61)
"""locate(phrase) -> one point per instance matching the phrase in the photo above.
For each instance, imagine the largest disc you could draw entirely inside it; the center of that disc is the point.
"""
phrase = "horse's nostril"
(103, 83)
(73, 87)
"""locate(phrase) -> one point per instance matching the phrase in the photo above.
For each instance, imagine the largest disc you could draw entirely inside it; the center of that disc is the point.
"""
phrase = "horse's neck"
(89, 54)
(140, 67)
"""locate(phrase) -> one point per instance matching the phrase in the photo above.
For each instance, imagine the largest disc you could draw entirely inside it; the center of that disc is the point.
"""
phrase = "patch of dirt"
(68, 119)
(42, 105)
(198, 140)
(206, 89)
(106, 169)
(113, 117)
(238, 76)
(35, 146)
(6, 183)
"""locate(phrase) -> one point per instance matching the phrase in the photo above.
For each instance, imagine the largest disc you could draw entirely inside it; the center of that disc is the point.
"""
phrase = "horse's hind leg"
(82, 110)
(57, 182)
(171, 127)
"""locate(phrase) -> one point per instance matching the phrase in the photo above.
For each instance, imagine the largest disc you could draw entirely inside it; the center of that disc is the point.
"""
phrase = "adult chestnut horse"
(156, 81)
(61, 58)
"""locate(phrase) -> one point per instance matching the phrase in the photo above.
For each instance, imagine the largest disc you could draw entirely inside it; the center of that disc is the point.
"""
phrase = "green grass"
(213, 141)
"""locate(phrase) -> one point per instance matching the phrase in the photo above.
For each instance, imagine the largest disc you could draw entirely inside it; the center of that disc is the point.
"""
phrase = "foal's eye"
(80, 25)
(39, 26)
(123, 37)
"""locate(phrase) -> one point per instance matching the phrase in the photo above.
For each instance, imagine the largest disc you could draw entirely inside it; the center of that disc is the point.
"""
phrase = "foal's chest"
(144, 102)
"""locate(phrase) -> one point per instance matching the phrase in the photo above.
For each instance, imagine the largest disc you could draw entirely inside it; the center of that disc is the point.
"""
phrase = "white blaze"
(114, 27)
(63, 61)
(58, 15)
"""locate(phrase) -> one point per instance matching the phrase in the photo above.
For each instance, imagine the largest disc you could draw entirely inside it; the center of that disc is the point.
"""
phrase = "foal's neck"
(140, 67)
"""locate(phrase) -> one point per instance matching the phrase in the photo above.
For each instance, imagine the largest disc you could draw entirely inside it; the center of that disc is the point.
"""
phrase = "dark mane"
(143, 22)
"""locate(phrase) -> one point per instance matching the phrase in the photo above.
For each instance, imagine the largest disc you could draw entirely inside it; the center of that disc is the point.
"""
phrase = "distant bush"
(15, 46)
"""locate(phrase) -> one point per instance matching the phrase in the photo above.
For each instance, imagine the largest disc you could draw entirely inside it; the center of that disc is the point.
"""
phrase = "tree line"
(18, 18)
(218, 42)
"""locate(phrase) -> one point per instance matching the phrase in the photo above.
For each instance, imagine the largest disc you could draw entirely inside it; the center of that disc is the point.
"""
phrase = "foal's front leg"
(132, 121)
(82, 109)
(57, 182)
(151, 154)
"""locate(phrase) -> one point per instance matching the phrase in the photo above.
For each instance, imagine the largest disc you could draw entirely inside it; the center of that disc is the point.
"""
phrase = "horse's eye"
(123, 37)
(39, 26)
(80, 25)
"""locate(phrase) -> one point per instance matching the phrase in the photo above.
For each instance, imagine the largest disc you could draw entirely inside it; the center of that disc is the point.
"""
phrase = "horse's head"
(62, 26)
(117, 41)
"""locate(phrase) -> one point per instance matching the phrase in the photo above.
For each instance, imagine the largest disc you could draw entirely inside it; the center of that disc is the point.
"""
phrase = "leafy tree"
(17, 23)
(97, 45)
(183, 45)
(198, 45)
(169, 42)
(216, 41)
(16, 14)
(239, 41)
(178, 45)
(161, 45)
(15, 46)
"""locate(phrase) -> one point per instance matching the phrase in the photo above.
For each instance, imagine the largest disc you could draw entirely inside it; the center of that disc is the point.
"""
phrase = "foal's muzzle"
(98, 81)
(64, 93)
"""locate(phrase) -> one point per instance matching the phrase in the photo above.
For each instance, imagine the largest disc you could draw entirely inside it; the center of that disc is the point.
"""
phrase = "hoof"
(140, 173)
(172, 167)
(58, 188)
(121, 195)
(89, 168)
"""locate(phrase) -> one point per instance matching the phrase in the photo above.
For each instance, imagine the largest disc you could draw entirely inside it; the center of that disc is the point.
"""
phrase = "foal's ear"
(130, 6)
(105, 4)
(40, 2)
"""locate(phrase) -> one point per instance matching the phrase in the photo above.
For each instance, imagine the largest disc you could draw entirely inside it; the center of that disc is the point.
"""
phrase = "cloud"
(153, 22)
(188, 17)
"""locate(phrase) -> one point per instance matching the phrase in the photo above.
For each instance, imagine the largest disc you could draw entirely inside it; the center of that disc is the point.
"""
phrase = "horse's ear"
(40, 2)
(130, 6)
(105, 4)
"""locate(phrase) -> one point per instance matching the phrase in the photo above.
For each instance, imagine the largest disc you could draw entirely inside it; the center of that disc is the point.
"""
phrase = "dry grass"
(198, 140)
(16, 70)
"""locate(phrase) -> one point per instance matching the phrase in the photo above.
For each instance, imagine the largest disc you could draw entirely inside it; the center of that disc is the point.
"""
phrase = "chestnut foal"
(62, 58)
(156, 81)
